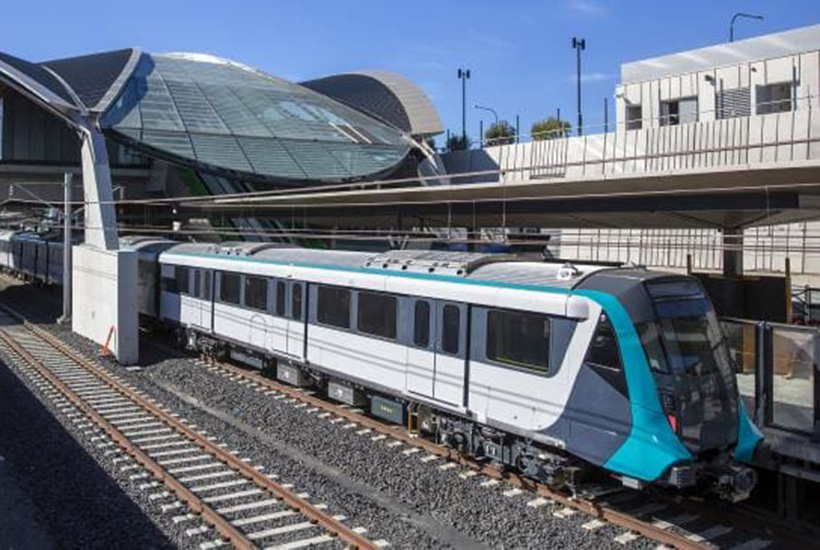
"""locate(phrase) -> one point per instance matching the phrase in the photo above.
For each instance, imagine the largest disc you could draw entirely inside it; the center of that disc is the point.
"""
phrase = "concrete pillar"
(104, 278)
(733, 253)
(68, 182)
(100, 215)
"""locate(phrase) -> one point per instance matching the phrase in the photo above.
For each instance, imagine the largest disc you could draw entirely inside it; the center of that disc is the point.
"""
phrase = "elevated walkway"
(734, 172)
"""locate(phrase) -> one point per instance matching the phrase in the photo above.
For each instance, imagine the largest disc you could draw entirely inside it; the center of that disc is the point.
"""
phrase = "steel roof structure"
(218, 116)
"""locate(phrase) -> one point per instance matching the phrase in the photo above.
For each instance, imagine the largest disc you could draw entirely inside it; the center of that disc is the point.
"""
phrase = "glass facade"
(225, 116)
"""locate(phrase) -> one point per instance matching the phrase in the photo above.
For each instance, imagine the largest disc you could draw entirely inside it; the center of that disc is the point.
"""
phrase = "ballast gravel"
(396, 496)
(77, 495)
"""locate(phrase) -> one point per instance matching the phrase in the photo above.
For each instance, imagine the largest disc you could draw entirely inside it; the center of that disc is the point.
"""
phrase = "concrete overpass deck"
(728, 173)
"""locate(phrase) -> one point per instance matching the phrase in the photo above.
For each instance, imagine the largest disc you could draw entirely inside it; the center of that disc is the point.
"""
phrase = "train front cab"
(690, 429)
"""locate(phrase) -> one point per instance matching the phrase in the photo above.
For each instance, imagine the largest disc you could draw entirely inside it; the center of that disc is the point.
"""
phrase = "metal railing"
(778, 373)
(791, 135)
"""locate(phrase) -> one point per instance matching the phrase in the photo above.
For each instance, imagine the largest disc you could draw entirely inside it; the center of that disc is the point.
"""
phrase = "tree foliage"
(550, 128)
(456, 143)
(499, 133)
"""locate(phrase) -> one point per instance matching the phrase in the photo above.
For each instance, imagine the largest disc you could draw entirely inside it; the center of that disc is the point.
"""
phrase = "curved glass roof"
(218, 114)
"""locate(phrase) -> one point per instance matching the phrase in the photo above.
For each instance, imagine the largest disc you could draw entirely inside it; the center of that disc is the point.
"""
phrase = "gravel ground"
(63, 477)
(397, 497)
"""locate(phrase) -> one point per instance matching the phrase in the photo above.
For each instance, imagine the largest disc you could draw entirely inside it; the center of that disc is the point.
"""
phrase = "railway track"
(683, 524)
(682, 527)
(236, 503)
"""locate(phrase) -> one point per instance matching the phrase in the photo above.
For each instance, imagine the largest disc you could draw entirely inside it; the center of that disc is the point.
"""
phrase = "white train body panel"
(526, 400)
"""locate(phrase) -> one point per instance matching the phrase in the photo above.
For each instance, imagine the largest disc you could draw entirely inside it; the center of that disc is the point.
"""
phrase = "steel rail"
(196, 504)
(616, 517)
(291, 499)
(589, 507)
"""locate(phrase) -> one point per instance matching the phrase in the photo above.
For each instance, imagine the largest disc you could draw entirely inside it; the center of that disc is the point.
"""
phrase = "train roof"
(329, 258)
(505, 268)
(548, 274)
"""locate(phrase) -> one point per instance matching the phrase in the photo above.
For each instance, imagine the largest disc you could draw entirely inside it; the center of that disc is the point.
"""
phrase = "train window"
(182, 279)
(333, 306)
(229, 288)
(206, 286)
(421, 324)
(603, 349)
(519, 339)
(296, 301)
(377, 314)
(651, 339)
(169, 283)
(195, 293)
(280, 298)
(256, 293)
(450, 329)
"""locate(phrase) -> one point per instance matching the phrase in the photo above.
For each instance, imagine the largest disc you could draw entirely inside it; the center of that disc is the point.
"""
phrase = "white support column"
(104, 297)
(100, 215)
(68, 182)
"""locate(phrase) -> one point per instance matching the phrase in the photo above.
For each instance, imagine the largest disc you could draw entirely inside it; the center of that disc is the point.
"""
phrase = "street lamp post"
(579, 45)
(464, 75)
(737, 16)
(490, 109)
(481, 129)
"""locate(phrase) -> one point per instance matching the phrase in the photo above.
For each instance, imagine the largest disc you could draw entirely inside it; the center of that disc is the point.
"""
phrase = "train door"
(421, 352)
(279, 328)
(296, 325)
(451, 350)
(187, 300)
(201, 305)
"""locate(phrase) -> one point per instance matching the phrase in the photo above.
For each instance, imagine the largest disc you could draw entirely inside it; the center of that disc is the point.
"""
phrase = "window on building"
(256, 293)
(421, 324)
(679, 111)
(603, 349)
(333, 306)
(377, 314)
(229, 288)
(281, 294)
(296, 302)
(450, 329)
(634, 117)
(519, 339)
(734, 103)
(774, 98)
(182, 279)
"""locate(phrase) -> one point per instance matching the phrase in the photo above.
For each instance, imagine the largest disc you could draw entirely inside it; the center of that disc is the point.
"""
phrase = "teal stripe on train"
(652, 446)
(748, 435)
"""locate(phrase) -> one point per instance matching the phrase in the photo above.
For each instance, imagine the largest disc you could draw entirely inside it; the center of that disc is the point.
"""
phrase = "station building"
(765, 88)
(185, 124)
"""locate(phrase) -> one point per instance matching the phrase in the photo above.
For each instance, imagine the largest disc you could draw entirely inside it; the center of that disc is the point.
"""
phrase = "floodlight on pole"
(579, 45)
(464, 75)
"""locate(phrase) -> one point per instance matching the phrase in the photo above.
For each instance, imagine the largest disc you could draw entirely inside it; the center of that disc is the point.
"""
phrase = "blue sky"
(518, 51)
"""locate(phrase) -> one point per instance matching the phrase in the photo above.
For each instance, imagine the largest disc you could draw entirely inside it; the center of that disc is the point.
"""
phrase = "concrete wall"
(701, 146)
(104, 300)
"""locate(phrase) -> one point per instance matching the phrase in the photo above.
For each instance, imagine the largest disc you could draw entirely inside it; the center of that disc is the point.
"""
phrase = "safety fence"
(777, 373)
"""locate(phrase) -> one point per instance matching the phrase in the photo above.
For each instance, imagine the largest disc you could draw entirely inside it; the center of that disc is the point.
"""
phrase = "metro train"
(551, 369)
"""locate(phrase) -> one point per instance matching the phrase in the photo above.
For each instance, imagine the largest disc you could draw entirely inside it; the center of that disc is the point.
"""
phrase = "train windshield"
(687, 351)
(686, 339)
